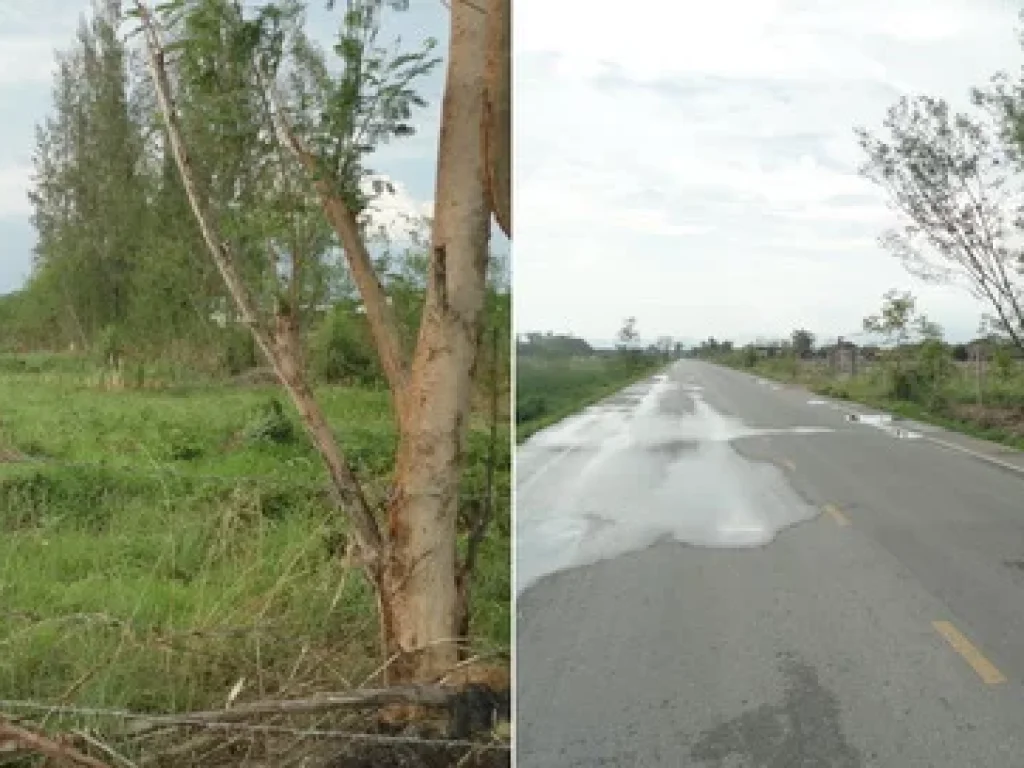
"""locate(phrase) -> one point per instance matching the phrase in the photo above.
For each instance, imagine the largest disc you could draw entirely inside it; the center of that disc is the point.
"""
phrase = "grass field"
(160, 545)
(550, 389)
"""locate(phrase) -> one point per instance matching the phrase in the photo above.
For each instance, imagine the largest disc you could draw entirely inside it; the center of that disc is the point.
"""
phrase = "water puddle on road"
(884, 422)
(668, 470)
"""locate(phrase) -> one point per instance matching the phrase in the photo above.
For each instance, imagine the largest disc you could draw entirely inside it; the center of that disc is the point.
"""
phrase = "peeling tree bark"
(421, 582)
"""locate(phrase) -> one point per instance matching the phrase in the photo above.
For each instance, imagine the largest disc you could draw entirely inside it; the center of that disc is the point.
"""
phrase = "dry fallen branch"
(34, 742)
(423, 695)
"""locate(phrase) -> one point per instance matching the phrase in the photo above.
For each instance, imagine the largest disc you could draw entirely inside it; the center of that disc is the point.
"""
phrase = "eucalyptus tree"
(306, 127)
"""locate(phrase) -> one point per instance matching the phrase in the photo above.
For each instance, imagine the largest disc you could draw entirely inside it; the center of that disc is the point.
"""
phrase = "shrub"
(341, 349)
(270, 424)
(530, 407)
(1003, 362)
(239, 351)
(749, 357)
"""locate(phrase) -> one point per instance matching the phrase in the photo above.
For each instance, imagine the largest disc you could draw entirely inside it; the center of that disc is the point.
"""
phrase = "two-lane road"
(716, 571)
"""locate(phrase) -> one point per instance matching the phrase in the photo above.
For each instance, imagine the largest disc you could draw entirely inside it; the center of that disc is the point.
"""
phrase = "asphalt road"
(716, 571)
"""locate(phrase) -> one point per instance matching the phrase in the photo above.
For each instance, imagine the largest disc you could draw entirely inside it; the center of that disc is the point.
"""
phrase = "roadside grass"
(551, 389)
(161, 545)
(954, 405)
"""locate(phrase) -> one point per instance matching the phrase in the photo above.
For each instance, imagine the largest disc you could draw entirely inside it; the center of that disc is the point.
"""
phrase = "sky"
(30, 32)
(694, 164)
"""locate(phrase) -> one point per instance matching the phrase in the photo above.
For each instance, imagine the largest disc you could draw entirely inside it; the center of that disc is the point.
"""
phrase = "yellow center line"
(985, 669)
(837, 515)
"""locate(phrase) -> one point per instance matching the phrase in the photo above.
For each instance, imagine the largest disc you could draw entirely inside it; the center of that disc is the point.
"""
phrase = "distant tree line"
(119, 269)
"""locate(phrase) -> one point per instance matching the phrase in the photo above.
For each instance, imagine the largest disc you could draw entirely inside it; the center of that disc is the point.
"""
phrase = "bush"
(110, 346)
(270, 424)
(935, 364)
(530, 407)
(906, 385)
(239, 351)
(749, 357)
(73, 497)
(341, 349)
(1004, 364)
(182, 446)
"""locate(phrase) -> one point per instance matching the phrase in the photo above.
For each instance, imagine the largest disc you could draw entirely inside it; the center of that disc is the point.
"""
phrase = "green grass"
(550, 389)
(159, 545)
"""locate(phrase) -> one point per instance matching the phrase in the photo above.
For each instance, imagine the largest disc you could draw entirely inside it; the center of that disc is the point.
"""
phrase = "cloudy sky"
(30, 32)
(694, 164)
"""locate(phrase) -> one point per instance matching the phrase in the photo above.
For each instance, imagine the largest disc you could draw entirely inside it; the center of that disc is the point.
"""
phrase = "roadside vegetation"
(558, 375)
(976, 388)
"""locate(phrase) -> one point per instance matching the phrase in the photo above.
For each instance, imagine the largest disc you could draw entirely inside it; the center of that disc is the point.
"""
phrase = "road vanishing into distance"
(715, 570)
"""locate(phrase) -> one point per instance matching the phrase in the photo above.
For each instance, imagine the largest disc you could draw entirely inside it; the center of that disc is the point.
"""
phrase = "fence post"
(978, 372)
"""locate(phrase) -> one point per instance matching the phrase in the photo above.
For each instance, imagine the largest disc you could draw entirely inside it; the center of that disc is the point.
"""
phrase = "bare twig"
(105, 748)
(468, 663)
(43, 745)
(400, 654)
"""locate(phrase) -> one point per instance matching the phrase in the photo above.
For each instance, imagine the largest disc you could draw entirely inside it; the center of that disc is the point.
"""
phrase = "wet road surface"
(718, 571)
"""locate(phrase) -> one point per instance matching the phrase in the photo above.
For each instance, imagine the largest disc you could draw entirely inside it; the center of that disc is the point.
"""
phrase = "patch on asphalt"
(803, 730)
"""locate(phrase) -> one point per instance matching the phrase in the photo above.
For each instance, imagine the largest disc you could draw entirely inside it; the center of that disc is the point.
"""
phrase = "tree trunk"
(419, 597)
(498, 112)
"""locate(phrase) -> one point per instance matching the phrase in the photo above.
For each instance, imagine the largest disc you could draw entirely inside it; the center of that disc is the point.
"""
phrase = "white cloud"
(31, 31)
(393, 211)
(696, 167)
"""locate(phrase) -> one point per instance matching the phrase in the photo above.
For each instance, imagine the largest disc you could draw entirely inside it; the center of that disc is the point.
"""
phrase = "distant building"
(843, 356)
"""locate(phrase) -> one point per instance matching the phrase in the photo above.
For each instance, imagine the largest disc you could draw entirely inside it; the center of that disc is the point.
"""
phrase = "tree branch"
(282, 349)
(381, 317)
